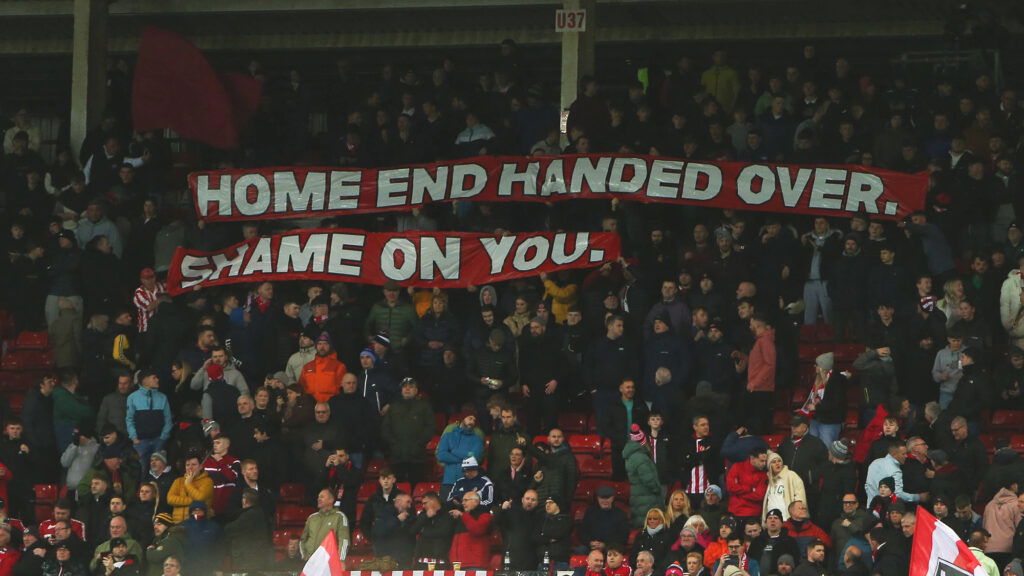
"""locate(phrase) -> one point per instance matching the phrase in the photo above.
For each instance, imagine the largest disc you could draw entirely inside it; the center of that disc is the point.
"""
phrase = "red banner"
(837, 191)
(436, 259)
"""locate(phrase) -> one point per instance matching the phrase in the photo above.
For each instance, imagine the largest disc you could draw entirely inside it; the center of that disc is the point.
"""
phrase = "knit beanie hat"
(888, 481)
(840, 449)
(637, 435)
(826, 361)
(215, 372)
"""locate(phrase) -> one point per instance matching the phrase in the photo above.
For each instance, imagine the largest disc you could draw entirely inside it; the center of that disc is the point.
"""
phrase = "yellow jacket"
(181, 496)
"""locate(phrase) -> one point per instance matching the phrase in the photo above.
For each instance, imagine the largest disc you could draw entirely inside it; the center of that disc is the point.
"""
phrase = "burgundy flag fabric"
(175, 87)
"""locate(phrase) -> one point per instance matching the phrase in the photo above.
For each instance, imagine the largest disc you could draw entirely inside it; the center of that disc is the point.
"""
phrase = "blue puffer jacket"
(455, 446)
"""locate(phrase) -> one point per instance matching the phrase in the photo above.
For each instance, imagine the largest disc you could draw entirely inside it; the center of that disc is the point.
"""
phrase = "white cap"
(470, 462)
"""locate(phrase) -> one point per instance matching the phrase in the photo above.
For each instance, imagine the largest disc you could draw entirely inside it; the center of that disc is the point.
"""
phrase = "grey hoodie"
(200, 381)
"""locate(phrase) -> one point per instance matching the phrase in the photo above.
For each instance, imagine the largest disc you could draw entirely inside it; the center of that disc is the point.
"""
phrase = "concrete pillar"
(577, 53)
(88, 68)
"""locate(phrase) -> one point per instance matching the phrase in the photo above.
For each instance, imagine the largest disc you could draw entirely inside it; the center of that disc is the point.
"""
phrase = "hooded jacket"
(454, 447)
(645, 487)
(747, 487)
(786, 485)
(1001, 519)
(321, 378)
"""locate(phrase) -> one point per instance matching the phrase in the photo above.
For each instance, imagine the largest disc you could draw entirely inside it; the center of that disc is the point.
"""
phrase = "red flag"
(937, 550)
(175, 87)
(325, 561)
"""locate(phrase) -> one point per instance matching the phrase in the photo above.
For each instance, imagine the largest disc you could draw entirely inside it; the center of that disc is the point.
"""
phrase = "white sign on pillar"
(570, 20)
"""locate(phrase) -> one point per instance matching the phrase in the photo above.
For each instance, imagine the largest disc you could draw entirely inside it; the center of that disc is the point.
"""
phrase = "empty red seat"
(373, 468)
(432, 445)
(404, 487)
(585, 443)
(440, 421)
(621, 491)
(1007, 420)
(292, 516)
(16, 403)
(17, 381)
(28, 360)
(780, 420)
(292, 493)
(774, 440)
(586, 488)
(281, 538)
(591, 466)
(799, 396)
(424, 487)
(577, 560)
(847, 353)
(989, 441)
(359, 540)
(32, 341)
(852, 421)
(573, 422)
(808, 333)
(369, 488)
(46, 493)
(1017, 442)
(808, 352)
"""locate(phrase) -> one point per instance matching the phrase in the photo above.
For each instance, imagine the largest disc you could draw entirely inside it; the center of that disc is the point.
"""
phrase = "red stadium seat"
(368, 488)
(373, 468)
(854, 396)
(46, 493)
(808, 333)
(799, 396)
(586, 488)
(292, 493)
(281, 538)
(591, 466)
(774, 440)
(440, 421)
(573, 422)
(621, 491)
(496, 561)
(32, 341)
(360, 541)
(44, 510)
(404, 487)
(585, 443)
(432, 445)
(852, 421)
(1007, 420)
(28, 360)
(577, 560)
(16, 403)
(847, 353)
(1017, 442)
(989, 441)
(17, 381)
(780, 420)
(424, 487)
(292, 516)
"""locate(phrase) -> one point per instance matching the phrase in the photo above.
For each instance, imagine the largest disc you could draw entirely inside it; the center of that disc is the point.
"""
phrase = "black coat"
(434, 535)
(249, 539)
(805, 459)
(971, 456)
(394, 537)
(834, 480)
(618, 432)
(832, 407)
(657, 544)
(554, 536)
(691, 454)
(508, 488)
(889, 561)
(518, 527)
(608, 362)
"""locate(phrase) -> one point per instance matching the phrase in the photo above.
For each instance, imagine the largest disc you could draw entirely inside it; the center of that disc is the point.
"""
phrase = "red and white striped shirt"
(143, 299)
(699, 481)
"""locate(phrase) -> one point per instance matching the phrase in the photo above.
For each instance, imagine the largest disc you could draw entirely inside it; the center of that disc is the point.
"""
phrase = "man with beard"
(321, 378)
(540, 374)
(670, 307)
(772, 543)
(519, 522)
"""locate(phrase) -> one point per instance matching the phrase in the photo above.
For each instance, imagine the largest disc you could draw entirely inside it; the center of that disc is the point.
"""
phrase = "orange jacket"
(321, 378)
(761, 366)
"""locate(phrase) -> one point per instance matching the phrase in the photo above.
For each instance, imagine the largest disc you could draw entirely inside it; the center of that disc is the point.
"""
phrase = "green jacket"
(129, 481)
(502, 442)
(645, 488)
(68, 407)
(318, 525)
(559, 469)
(399, 322)
(172, 543)
(407, 428)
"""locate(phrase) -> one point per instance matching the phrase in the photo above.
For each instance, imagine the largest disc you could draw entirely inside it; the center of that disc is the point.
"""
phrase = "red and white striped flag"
(938, 551)
(325, 561)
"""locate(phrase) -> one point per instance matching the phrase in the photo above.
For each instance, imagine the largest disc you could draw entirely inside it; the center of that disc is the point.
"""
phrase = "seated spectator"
(434, 530)
(472, 481)
(594, 565)
(393, 531)
(603, 522)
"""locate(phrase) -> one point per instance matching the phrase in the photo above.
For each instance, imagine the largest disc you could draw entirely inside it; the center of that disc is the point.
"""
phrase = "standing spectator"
(608, 362)
(407, 427)
(70, 410)
(96, 224)
(218, 369)
(784, 486)
(542, 375)
(391, 316)
(223, 470)
(645, 486)
(837, 478)
(456, 446)
(556, 467)
(760, 374)
(65, 275)
(321, 378)
(471, 542)
(1002, 514)
(721, 81)
(622, 414)
(147, 297)
(747, 485)
(148, 418)
(804, 454)
(384, 497)
(114, 406)
(393, 534)
(518, 522)
(889, 466)
(434, 529)
(194, 485)
(322, 522)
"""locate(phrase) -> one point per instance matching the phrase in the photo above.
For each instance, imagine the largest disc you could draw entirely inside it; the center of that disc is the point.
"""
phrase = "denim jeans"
(145, 449)
(828, 433)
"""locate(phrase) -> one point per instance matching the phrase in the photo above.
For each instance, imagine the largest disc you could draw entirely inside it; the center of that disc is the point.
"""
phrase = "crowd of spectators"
(174, 422)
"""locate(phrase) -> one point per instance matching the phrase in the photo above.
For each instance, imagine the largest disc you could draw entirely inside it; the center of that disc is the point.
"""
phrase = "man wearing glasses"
(967, 452)
(917, 470)
(172, 566)
(852, 522)
(736, 555)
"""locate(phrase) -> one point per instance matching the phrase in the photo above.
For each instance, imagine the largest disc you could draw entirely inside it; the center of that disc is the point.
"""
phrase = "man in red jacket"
(747, 484)
(800, 528)
(760, 375)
